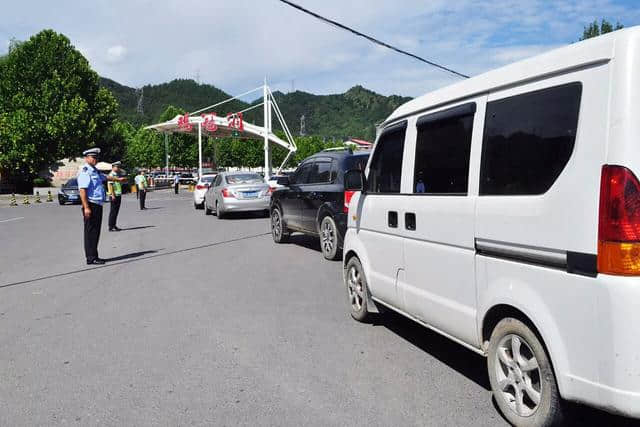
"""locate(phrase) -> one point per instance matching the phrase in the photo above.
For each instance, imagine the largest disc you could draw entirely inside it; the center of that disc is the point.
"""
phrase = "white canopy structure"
(206, 122)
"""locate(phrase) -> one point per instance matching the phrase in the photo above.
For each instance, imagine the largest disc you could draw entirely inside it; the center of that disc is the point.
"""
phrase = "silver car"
(237, 192)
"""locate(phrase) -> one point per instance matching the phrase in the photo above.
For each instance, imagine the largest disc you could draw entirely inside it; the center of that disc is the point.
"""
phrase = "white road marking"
(12, 219)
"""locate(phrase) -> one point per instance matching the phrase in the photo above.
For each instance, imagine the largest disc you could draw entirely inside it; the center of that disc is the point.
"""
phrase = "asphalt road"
(200, 321)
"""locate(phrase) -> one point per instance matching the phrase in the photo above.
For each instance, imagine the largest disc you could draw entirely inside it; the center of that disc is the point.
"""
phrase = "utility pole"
(140, 105)
(303, 128)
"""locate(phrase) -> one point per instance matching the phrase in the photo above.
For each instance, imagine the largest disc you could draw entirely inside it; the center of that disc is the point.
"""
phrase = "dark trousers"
(113, 211)
(92, 227)
(175, 187)
(143, 195)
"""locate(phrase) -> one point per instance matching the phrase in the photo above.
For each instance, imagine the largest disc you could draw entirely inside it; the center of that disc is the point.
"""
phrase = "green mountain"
(351, 114)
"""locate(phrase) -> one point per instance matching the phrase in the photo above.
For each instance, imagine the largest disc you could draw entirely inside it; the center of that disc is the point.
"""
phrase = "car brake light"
(227, 193)
(347, 198)
(619, 222)
(201, 187)
(271, 190)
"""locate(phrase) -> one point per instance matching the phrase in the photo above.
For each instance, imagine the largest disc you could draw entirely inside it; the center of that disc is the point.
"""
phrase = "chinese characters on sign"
(183, 123)
(235, 121)
(210, 122)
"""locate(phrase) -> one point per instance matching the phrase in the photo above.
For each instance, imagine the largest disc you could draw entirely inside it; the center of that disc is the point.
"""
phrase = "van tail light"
(347, 198)
(228, 193)
(201, 187)
(619, 222)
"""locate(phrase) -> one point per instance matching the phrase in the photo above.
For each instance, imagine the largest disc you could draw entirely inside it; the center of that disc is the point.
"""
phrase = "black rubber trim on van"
(459, 111)
(576, 262)
(582, 264)
(394, 127)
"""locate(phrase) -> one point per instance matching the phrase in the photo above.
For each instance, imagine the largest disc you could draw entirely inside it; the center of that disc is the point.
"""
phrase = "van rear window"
(528, 140)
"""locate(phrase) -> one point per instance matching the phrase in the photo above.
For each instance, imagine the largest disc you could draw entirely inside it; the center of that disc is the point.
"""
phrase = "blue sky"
(233, 45)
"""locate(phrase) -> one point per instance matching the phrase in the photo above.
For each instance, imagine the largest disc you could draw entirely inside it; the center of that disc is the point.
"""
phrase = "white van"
(504, 213)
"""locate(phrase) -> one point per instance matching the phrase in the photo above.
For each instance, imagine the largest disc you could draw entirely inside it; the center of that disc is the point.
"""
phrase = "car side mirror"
(354, 180)
(283, 180)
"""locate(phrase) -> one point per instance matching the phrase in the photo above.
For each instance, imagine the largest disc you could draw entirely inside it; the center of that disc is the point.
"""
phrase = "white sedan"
(201, 188)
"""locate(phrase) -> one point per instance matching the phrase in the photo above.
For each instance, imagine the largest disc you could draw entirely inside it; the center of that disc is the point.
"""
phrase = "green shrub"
(41, 182)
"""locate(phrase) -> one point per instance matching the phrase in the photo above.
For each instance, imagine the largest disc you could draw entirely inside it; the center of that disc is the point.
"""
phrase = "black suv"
(313, 200)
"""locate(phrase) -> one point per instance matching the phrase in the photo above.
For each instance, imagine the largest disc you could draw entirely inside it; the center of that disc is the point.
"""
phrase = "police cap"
(94, 152)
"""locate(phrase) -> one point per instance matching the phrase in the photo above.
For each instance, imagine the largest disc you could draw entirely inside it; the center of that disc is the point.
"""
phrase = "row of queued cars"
(311, 200)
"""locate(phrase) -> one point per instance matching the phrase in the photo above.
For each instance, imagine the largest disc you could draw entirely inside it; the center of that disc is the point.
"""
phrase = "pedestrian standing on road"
(115, 194)
(141, 183)
(90, 184)
(176, 183)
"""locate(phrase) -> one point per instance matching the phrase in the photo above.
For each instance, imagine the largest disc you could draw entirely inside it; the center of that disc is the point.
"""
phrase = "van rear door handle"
(392, 218)
(410, 221)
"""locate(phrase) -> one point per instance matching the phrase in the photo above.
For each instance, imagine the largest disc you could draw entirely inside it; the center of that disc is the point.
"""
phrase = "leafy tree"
(51, 105)
(144, 149)
(594, 29)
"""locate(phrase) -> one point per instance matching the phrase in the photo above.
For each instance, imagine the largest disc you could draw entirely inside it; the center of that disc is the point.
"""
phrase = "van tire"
(357, 290)
(329, 239)
(517, 379)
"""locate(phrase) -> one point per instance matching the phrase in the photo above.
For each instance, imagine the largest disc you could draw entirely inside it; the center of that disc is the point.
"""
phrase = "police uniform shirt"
(91, 180)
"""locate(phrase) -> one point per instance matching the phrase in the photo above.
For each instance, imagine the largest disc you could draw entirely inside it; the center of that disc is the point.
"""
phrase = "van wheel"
(357, 290)
(329, 238)
(279, 231)
(522, 379)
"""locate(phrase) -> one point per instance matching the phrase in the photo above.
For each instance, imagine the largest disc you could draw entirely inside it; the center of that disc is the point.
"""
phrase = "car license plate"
(73, 197)
(250, 194)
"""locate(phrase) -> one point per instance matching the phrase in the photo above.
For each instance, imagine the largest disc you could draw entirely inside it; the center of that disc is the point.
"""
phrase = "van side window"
(385, 171)
(528, 140)
(443, 148)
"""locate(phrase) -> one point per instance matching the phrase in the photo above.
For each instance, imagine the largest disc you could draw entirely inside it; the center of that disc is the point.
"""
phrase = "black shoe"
(115, 229)
(97, 261)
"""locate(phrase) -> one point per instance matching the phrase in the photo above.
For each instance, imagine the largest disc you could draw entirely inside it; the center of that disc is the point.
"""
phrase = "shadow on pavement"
(131, 259)
(309, 242)
(129, 256)
(244, 215)
(471, 365)
(137, 228)
(150, 209)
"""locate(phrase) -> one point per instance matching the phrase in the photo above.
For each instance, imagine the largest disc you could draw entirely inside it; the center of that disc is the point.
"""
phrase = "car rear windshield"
(249, 178)
(208, 178)
(358, 162)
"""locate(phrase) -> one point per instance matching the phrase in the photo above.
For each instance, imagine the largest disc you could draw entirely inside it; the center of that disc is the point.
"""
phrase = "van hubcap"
(328, 236)
(356, 291)
(276, 225)
(518, 375)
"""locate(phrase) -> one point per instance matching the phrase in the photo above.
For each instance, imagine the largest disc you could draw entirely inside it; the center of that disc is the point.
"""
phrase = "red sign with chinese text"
(235, 121)
(183, 123)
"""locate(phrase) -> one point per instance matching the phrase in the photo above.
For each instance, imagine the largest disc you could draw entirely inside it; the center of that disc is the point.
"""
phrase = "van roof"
(577, 55)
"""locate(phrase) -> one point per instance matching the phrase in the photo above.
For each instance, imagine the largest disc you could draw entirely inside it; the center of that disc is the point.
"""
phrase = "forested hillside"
(351, 114)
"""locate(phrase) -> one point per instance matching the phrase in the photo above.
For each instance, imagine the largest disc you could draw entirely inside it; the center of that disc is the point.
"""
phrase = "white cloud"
(233, 45)
(116, 53)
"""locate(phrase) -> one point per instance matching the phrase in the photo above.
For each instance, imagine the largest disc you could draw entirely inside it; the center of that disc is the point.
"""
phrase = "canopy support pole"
(267, 129)
(166, 154)
(199, 150)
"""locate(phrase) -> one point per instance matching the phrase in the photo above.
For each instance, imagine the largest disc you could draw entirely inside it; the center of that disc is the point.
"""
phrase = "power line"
(372, 39)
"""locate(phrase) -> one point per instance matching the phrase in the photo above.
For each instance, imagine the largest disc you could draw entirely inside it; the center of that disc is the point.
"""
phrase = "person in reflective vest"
(141, 183)
(115, 194)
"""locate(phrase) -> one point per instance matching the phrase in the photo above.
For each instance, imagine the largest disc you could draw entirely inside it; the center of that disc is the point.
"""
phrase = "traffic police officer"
(90, 184)
(115, 193)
